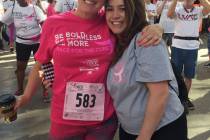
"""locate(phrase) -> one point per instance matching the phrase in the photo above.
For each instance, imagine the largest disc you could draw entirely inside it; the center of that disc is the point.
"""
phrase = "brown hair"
(136, 21)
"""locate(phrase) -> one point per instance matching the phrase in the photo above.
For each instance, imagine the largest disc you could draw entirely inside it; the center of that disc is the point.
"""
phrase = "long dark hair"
(136, 21)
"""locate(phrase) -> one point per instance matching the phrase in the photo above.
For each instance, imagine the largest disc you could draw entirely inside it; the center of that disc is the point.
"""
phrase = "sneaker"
(18, 93)
(11, 50)
(46, 98)
(207, 65)
(190, 105)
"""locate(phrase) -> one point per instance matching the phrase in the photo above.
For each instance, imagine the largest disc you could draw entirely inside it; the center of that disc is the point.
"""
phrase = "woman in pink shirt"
(82, 48)
(50, 8)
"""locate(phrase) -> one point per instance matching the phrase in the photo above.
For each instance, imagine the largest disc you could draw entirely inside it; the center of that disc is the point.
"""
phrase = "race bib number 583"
(84, 101)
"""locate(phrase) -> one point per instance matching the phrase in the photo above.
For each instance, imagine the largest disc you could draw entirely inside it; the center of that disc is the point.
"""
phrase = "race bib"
(84, 101)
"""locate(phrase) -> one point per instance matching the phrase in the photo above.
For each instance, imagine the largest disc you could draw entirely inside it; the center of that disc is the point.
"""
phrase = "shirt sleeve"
(45, 51)
(200, 11)
(152, 64)
(8, 17)
(40, 15)
(5, 4)
(177, 9)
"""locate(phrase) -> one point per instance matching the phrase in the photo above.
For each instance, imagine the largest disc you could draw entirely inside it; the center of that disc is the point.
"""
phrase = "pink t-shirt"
(50, 10)
(82, 51)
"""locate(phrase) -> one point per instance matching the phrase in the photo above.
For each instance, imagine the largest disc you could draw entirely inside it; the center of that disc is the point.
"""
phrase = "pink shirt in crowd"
(82, 51)
(50, 10)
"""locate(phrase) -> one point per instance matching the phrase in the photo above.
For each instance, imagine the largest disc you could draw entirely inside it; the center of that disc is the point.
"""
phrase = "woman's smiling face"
(115, 16)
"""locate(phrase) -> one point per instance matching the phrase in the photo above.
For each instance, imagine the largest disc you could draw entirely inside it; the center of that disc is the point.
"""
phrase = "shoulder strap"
(36, 15)
(173, 88)
(13, 6)
(135, 41)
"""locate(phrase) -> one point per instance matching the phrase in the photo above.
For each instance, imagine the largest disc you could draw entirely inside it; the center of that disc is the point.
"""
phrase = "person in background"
(151, 11)
(1, 14)
(42, 4)
(65, 5)
(141, 80)
(51, 8)
(81, 107)
(11, 29)
(167, 23)
(27, 19)
(186, 39)
(208, 42)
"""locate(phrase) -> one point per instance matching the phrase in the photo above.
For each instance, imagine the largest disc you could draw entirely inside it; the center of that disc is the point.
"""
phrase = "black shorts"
(23, 51)
(176, 130)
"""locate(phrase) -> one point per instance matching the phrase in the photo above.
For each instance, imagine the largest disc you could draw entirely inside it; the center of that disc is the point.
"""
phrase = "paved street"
(33, 120)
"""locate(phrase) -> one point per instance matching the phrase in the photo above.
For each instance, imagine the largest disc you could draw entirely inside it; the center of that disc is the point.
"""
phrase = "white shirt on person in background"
(65, 5)
(8, 3)
(151, 8)
(187, 25)
(167, 23)
(1, 9)
(26, 21)
(44, 4)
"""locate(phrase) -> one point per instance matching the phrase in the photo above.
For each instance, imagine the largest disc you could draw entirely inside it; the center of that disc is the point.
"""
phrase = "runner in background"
(1, 15)
(51, 8)
(27, 19)
(203, 28)
(186, 39)
(208, 41)
(11, 29)
(167, 23)
(151, 11)
(65, 5)
(42, 4)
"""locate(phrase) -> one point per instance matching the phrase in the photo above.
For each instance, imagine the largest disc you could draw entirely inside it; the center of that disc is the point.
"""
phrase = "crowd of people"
(112, 69)
(182, 22)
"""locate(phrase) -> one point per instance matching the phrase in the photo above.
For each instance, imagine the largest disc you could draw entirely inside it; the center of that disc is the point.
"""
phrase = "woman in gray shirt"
(141, 81)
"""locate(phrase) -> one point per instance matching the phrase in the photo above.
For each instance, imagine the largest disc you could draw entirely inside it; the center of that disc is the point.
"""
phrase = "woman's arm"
(206, 7)
(34, 82)
(160, 7)
(171, 12)
(39, 4)
(158, 96)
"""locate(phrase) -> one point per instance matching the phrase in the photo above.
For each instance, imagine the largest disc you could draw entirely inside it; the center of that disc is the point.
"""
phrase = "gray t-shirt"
(126, 84)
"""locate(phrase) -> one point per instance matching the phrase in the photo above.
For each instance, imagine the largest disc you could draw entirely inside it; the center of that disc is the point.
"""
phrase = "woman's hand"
(47, 84)
(151, 35)
(33, 84)
(21, 101)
